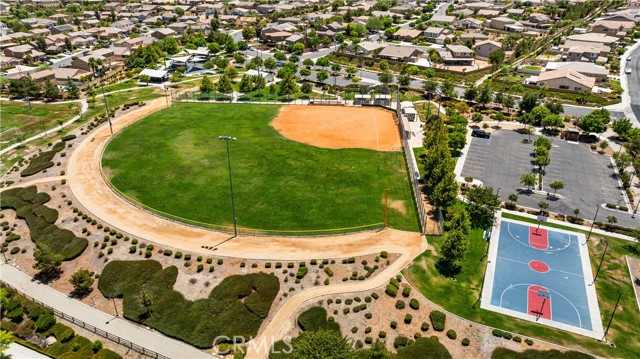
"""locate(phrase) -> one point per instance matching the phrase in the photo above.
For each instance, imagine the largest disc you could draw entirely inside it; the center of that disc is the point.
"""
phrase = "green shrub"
(67, 138)
(466, 342)
(328, 271)
(451, 334)
(44, 322)
(368, 316)
(24, 330)
(302, 271)
(406, 291)
(200, 267)
(384, 254)
(16, 315)
(96, 346)
(507, 335)
(209, 260)
(391, 291)
(147, 254)
(438, 320)
(497, 333)
(382, 335)
(424, 327)
(400, 341)
(414, 304)
(220, 261)
(408, 318)
(315, 318)
(187, 257)
(42, 161)
(517, 339)
(346, 311)
(529, 342)
(35, 312)
(368, 340)
(133, 249)
(178, 255)
(400, 304)
(15, 250)
(375, 295)
(424, 345)
(354, 330)
(393, 324)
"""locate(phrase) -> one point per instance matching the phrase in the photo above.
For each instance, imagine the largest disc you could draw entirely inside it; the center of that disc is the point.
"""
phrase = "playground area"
(542, 275)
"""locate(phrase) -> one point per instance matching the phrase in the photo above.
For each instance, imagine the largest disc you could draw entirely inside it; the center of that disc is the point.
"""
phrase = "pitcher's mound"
(339, 127)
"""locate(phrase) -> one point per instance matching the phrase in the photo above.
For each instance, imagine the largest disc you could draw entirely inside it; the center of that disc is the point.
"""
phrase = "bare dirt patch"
(339, 127)
(398, 206)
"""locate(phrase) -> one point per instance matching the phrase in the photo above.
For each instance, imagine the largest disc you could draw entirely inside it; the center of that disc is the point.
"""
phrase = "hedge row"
(29, 205)
(42, 161)
(236, 307)
(315, 318)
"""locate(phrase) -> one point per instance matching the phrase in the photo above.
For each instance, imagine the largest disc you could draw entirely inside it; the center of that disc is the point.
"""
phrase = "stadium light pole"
(612, 314)
(106, 109)
(227, 139)
(601, 260)
(592, 223)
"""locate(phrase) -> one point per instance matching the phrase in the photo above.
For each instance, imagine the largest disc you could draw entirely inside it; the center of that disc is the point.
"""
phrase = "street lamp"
(592, 223)
(498, 192)
(227, 139)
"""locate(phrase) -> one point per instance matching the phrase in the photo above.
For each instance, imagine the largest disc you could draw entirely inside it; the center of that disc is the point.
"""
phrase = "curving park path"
(92, 192)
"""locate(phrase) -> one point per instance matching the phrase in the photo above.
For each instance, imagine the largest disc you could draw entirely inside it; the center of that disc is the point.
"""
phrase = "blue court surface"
(541, 275)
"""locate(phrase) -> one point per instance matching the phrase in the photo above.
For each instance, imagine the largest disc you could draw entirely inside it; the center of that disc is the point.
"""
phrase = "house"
(407, 34)
(161, 33)
(515, 13)
(600, 73)
(178, 27)
(113, 6)
(463, 13)
(130, 43)
(62, 76)
(488, 14)
(40, 32)
(437, 35)
(274, 34)
(369, 47)
(505, 24)
(565, 79)
(485, 48)
(593, 37)
(245, 20)
(400, 53)
(473, 36)
(470, 24)
(60, 18)
(613, 28)
(46, 3)
(586, 53)
(5, 8)
(295, 38)
(443, 19)
(7, 62)
(61, 29)
(456, 55)
(21, 51)
(124, 25)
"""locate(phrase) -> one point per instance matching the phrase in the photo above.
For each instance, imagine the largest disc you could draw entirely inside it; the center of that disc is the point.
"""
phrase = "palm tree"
(92, 65)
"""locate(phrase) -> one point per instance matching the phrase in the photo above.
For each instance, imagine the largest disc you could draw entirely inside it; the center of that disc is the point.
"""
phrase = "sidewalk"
(145, 338)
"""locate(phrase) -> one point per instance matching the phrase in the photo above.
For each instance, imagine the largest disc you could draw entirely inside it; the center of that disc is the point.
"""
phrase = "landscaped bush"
(29, 205)
(391, 291)
(517, 339)
(466, 342)
(414, 304)
(382, 335)
(15, 250)
(400, 341)
(400, 304)
(529, 342)
(237, 306)
(328, 271)
(406, 291)
(178, 255)
(393, 324)
(67, 138)
(368, 340)
(424, 327)
(375, 295)
(451, 334)
(421, 346)
(302, 271)
(408, 318)
(438, 320)
(44, 322)
(15, 315)
(497, 333)
(42, 161)
(315, 318)
(384, 254)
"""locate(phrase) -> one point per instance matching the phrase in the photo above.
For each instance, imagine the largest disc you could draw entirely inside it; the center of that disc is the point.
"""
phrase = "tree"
(246, 84)
(404, 80)
(306, 88)
(351, 70)
(596, 121)
(322, 75)
(448, 88)
(206, 85)
(509, 102)
(270, 63)
(622, 126)
(476, 117)
(543, 206)
(6, 338)
(555, 107)
(297, 48)
(430, 87)
(576, 212)
(496, 58)
(74, 92)
(224, 84)
(458, 218)
(484, 94)
(542, 162)
(304, 72)
(445, 192)
(513, 198)
(323, 62)
(543, 142)
(470, 93)
(455, 246)
(529, 101)
(82, 280)
(248, 32)
(47, 261)
(552, 120)
(556, 185)
(214, 48)
(500, 117)
(385, 77)
(383, 65)
(50, 91)
(538, 114)
(179, 11)
(288, 85)
(528, 179)
(145, 78)
(307, 62)
(326, 344)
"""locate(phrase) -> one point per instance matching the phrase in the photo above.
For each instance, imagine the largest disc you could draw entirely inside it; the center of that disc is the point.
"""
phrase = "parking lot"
(588, 177)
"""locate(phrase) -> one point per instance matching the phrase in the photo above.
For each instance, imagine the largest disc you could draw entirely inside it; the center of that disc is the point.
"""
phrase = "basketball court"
(542, 275)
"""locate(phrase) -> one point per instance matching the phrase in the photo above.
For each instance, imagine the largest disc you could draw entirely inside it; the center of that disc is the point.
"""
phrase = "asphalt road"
(588, 177)
(633, 80)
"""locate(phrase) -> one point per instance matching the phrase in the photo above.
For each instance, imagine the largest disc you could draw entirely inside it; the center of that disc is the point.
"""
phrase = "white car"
(629, 58)
(628, 71)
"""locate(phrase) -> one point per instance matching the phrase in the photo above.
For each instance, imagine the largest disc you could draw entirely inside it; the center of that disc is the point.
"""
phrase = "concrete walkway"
(59, 301)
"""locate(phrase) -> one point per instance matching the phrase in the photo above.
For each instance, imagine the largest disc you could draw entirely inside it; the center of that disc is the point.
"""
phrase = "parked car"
(629, 58)
(628, 71)
(480, 133)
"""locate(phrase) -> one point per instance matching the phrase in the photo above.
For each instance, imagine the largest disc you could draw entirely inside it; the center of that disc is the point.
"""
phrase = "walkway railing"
(114, 338)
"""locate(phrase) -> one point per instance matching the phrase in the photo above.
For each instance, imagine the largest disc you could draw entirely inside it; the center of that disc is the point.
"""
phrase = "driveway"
(588, 177)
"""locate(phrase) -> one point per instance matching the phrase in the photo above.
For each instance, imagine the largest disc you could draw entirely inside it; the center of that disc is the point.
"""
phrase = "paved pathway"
(145, 338)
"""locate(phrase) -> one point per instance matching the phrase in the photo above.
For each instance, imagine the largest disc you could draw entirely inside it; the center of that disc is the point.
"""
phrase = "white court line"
(550, 268)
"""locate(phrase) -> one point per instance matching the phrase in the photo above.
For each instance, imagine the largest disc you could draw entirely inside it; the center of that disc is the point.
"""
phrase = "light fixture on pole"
(227, 139)
(592, 223)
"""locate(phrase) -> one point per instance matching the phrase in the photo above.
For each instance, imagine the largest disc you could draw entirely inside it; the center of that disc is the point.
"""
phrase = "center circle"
(539, 266)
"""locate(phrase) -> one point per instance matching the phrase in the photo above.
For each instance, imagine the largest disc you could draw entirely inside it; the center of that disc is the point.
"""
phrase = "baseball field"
(300, 170)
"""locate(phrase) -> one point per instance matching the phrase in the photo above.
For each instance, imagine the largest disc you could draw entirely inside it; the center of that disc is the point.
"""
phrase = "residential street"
(633, 81)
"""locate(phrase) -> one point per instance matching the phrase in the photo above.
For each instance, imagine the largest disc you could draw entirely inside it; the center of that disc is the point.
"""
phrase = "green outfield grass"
(174, 162)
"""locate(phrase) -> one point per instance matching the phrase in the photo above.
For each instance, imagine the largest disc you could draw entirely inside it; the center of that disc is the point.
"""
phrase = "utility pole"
(592, 223)
(601, 260)
(227, 139)
(612, 314)
(106, 108)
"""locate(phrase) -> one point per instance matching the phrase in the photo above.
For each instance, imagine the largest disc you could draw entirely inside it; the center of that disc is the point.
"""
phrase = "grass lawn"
(459, 296)
(131, 83)
(19, 120)
(97, 109)
(236, 306)
(173, 162)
